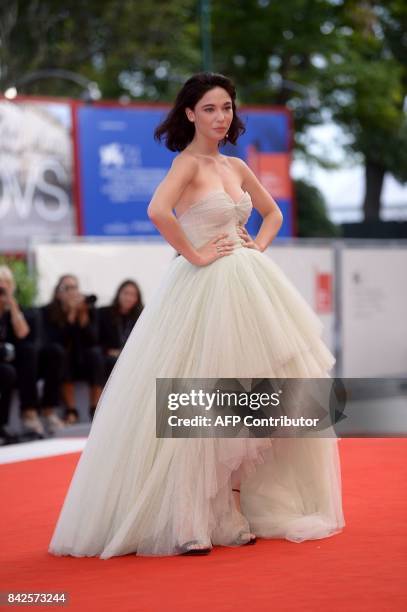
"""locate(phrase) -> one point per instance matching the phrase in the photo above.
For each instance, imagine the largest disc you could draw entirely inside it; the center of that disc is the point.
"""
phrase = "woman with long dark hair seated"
(117, 320)
(70, 349)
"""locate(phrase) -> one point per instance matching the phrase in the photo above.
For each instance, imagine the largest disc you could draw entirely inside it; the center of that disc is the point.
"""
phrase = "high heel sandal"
(238, 541)
(188, 550)
(241, 542)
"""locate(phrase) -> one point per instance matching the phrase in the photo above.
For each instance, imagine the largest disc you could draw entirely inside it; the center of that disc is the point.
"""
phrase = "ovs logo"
(40, 190)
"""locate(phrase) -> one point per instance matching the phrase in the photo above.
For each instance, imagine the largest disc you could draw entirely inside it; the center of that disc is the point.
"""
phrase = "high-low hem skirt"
(134, 493)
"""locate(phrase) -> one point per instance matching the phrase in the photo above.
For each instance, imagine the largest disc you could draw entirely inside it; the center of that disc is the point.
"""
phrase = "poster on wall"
(120, 165)
(266, 147)
(119, 168)
(36, 163)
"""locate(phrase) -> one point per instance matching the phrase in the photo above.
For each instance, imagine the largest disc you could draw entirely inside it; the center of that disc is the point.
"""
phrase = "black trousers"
(58, 365)
(23, 371)
(20, 373)
(26, 364)
(110, 362)
(8, 379)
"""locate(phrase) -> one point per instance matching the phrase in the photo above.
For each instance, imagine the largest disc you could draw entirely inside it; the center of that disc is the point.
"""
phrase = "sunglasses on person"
(71, 287)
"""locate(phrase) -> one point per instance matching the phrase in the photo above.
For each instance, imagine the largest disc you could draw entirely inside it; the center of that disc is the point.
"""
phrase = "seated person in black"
(117, 320)
(70, 349)
(18, 360)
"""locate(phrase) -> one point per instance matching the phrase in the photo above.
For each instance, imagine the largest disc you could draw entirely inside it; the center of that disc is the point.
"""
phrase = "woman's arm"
(20, 325)
(160, 211)
(265, 204)
(87, 323)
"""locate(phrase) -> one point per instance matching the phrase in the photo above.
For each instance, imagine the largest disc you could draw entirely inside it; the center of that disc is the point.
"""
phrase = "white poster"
(374, 312)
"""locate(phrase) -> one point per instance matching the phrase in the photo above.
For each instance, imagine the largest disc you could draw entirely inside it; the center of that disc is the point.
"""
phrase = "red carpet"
(364, 568)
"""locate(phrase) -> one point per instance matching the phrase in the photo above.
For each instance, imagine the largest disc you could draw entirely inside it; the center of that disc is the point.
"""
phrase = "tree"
(365, 87)
(345, 59)
(348, 61)
(140, 49)
(311, 212)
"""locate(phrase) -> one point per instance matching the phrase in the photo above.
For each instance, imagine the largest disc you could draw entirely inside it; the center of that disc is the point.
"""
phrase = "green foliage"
(26, 283)
(312, 216)
(141, 49)
(365, 83)
(341, 59)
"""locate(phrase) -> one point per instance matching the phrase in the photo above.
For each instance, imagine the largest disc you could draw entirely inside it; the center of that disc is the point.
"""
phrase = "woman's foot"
(194, 548)
(245, 537)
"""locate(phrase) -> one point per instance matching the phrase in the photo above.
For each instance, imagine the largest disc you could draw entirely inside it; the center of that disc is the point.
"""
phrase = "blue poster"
(120, 165)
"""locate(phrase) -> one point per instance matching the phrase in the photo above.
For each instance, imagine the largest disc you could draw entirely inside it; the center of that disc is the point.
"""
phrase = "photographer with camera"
(18, 358)
(70, 351)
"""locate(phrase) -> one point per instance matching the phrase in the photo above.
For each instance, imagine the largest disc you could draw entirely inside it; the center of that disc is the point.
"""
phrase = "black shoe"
(30, 437)
(8, 438)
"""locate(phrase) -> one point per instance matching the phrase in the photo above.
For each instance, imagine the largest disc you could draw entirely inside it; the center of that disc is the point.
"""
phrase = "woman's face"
(68, 292)
(6, 291)
(128, 298)
(212, 114)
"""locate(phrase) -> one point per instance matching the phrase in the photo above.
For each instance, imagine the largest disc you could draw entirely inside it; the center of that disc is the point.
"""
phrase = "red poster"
(323, 292)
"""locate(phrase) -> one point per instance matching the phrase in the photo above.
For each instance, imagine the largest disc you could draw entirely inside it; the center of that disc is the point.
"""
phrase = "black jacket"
(7, 334)
(113, 330)
(69, 335)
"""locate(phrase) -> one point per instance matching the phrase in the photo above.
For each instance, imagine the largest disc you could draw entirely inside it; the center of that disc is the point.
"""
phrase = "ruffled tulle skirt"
(132, 492)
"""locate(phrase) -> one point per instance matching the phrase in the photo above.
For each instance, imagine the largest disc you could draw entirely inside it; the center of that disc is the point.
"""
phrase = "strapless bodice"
(214, 214)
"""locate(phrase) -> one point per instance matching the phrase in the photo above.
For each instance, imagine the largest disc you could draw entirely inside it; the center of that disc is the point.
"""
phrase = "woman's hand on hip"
(214, 249)
(247, 240)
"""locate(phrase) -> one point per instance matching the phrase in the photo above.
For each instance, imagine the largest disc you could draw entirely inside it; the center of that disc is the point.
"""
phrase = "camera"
(7, 352)
(2, 291)
(90, 300)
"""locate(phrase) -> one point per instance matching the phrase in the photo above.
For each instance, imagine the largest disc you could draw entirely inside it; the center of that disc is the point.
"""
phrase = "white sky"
(345, 187)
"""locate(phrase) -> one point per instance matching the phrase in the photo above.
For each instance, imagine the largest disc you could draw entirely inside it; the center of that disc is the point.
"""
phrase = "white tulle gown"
(237, 317)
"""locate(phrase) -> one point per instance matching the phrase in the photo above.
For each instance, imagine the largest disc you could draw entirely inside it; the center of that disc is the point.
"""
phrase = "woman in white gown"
(224, 309)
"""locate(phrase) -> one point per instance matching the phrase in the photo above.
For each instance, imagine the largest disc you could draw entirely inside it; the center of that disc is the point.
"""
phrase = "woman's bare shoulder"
(237, 162)
(185, 162)
(238, 165)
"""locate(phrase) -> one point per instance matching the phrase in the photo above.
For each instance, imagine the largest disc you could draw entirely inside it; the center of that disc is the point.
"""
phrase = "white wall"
(373, 295)
(374, 312)
(102, 266)
(303, 266)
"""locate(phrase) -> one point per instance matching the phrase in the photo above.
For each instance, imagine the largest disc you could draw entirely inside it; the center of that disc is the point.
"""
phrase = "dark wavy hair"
(57, 314)
(176, 129)
(136, 311)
